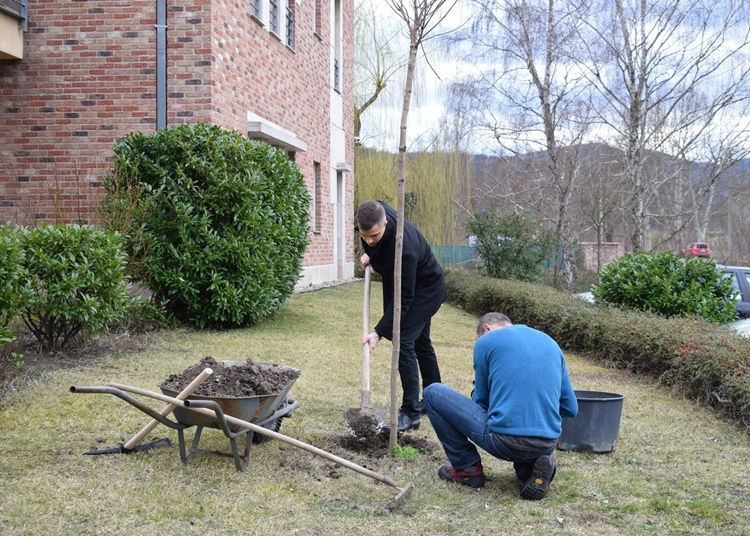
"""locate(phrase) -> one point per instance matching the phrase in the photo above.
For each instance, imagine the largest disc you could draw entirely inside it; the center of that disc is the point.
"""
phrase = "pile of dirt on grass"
(234, 379)
(377, 446)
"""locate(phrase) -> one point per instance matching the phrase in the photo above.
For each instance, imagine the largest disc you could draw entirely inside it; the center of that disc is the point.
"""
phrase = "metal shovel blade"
(122, 450)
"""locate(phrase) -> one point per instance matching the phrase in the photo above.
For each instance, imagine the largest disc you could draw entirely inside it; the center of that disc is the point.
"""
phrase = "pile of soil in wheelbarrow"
(232, 379)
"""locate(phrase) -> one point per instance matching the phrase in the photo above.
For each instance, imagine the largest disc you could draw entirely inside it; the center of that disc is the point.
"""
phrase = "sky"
(380, 122)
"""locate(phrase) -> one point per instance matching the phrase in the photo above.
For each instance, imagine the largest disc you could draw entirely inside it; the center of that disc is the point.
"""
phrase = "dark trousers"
(416, 356)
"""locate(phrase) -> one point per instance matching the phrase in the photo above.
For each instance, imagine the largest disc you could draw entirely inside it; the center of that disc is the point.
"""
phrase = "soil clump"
(233, 379)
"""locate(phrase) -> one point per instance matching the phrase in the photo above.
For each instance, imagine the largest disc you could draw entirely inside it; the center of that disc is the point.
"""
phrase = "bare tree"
(526, 96)
(665, 70)
(421, 18)
(375, 61)
(717, 150)
(597, 206)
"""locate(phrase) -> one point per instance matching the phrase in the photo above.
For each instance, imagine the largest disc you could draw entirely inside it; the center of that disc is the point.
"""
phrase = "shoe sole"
(537, 485)
(387, 428)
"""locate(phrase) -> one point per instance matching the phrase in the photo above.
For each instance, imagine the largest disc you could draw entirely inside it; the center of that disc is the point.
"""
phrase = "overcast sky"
(380, 122)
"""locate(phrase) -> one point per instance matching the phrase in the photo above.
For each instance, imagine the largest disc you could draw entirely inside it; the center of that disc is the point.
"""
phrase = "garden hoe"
(134, 444)
(365, 422)
(212, 409)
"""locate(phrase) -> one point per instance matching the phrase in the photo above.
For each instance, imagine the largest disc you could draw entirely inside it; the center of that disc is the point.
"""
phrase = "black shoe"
(404, 423)
(422, 407)
(468, 476)
(537, 485)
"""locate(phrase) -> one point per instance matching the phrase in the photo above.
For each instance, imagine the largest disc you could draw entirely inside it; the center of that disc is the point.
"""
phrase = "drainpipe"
(161, 64)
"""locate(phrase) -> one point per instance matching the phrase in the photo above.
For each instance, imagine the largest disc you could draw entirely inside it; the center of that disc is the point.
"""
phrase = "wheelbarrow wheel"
(274, 426)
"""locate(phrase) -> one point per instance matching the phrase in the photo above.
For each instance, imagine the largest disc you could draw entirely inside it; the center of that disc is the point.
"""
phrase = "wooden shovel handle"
(365, 333)
(140, 436)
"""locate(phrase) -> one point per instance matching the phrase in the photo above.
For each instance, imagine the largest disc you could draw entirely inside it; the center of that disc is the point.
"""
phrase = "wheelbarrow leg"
(241, 462)
(194, 446)
(181, 438)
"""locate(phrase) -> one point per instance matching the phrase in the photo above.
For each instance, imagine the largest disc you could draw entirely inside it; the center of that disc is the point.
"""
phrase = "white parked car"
(742, 327)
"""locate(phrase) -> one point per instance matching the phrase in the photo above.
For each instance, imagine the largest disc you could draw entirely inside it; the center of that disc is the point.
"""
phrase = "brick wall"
(88, 78)
(607, 252)
(85, 80)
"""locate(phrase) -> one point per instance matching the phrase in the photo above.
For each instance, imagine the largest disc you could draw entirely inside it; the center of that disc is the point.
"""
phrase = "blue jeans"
(461, 426)
(416, 356)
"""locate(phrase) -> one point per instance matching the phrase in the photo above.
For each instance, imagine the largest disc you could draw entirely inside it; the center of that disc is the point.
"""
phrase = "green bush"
(703, 361)
(142, 315)
(14, 290)
(76, 274)
(216, 224)
(668, 285)
(510, 247)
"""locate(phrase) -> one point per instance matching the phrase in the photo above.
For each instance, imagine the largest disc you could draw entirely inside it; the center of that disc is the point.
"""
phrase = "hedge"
(703, 361)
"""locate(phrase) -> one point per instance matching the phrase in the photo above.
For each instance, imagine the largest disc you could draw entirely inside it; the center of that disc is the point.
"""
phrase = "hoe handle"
(263, 431)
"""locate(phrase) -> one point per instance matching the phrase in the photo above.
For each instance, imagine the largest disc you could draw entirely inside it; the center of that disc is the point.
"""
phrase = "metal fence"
(455, 255)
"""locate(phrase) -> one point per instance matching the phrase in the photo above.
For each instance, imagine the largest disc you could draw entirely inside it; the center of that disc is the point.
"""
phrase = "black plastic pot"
(596, 427)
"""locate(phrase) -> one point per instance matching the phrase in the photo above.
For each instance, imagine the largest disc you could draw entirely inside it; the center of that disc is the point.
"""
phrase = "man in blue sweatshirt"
(521, 393)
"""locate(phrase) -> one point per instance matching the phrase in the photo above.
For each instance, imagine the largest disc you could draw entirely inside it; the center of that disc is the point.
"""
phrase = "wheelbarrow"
(266, 411)
(212, 409)
(263, 410)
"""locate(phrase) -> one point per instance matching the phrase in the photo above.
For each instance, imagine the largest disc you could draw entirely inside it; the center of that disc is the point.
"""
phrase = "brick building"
(597, 256)
(78, 75)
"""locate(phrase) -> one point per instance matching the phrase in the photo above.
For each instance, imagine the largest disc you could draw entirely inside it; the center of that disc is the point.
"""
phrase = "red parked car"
(699, 249)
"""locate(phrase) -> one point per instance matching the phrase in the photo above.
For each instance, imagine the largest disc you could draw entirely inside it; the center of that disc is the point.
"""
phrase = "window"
(255, 8)
(337, 46)
(273, 16)
(316, 208)
(278, 16)
(290, 24)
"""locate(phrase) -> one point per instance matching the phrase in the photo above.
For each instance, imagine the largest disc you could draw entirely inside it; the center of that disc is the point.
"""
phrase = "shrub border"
(701, 361)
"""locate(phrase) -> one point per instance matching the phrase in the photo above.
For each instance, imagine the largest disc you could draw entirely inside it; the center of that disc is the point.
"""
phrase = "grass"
(677, 469)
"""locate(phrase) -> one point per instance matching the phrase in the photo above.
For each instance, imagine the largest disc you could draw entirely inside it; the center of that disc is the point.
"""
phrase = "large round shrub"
(668, 285)
(216, 224)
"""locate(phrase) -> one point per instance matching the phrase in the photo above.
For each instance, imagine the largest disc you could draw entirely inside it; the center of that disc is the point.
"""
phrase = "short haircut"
(369, 214)
(493, 319)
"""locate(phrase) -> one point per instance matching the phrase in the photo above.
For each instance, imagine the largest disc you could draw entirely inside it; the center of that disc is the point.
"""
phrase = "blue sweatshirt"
(522, 381)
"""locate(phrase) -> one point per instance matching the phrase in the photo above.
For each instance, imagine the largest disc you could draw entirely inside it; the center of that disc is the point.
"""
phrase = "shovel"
(365, 422)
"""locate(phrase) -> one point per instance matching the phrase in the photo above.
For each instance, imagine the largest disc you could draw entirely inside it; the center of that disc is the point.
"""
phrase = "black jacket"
(422, 282)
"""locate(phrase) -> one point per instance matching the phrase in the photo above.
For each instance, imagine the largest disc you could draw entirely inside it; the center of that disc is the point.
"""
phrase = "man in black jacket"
(422, 293)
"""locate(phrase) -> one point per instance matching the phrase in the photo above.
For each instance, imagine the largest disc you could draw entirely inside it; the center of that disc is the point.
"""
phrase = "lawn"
(677, 469)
